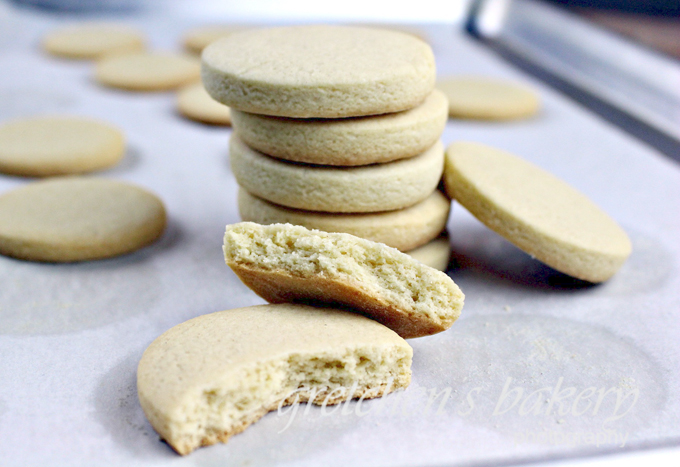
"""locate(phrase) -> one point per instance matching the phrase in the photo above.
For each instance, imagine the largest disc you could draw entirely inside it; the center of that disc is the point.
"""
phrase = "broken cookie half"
(209, 378)
(286, 263)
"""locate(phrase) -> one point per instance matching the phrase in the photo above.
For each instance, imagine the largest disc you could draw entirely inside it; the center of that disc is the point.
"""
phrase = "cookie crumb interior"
(373, 267)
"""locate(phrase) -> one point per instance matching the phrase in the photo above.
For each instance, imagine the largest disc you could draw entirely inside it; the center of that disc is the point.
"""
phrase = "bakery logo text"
(603, 405)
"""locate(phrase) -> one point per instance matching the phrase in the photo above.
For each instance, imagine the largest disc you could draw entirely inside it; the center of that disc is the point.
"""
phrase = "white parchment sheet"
(538, 365)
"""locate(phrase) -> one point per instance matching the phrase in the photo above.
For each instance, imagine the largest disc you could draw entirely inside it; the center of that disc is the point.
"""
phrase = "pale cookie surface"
(209, 378)
(287, 263)
(373, 188)
(197, 39)
(77, 219)
(93, 41)
(486, 99)
(148, 71)
(319, 71)
(47, 146)
(195, 103)
(536, 211)
(435, 254)
(347, 141)
(404, 229)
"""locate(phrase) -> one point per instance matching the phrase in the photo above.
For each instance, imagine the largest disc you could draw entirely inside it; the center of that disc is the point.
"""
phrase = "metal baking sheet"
(632, 85)
(539, 366)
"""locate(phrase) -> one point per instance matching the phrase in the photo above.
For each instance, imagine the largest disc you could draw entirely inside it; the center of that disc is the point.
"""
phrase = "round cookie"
(197, 39)
(77, 219)
(93, 41)
(347, 141)
(536, 211)
(209, 378)
(289, 263)
(372, 188)
(485, 99)
(147, 71)
(319, 71)
(404, 229)
(47, 146)
(435, 254)
(196, 104)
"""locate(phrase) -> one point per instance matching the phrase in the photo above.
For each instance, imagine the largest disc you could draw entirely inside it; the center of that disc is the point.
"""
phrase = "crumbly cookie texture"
(91, 41)
(196, 104)
(286, 263)
(403, 229)
(209, 378)
(148, 71)
(53, 145)
(536, 211)
(69, 219)
(371, 188)
(488, 99)
(319, 71)
(347, 141)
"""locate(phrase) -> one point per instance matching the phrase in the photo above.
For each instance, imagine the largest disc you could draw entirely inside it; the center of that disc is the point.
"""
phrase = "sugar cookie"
(46, 146)
(373, 188)
(92, 41)
(435, 254)
(78, 218)
(536, 211)
(286, 263)
(347, 141)
(404, 229)
(319, 71)
(197, 39)
(194, 103)
(485, 99)
(148, 71)
(211, 377)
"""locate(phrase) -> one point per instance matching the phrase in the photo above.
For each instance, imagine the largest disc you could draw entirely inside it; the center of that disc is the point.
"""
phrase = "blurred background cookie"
(195, 103)
(47, 146)
(148, 71)
(90, 41)
(487, 99)
(198, 38)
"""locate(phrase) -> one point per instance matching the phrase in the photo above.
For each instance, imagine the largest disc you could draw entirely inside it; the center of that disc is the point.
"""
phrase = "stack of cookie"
(336, 128)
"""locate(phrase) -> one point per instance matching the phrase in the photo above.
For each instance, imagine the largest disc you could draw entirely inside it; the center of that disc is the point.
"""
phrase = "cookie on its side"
(78, 218)
(196, 104)
(487, 99)
(211, 377)
(404, 229)
(371, 188)
(286, 263)
(48, 146)
(347, 141)
(319, 71)
(536, 211)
